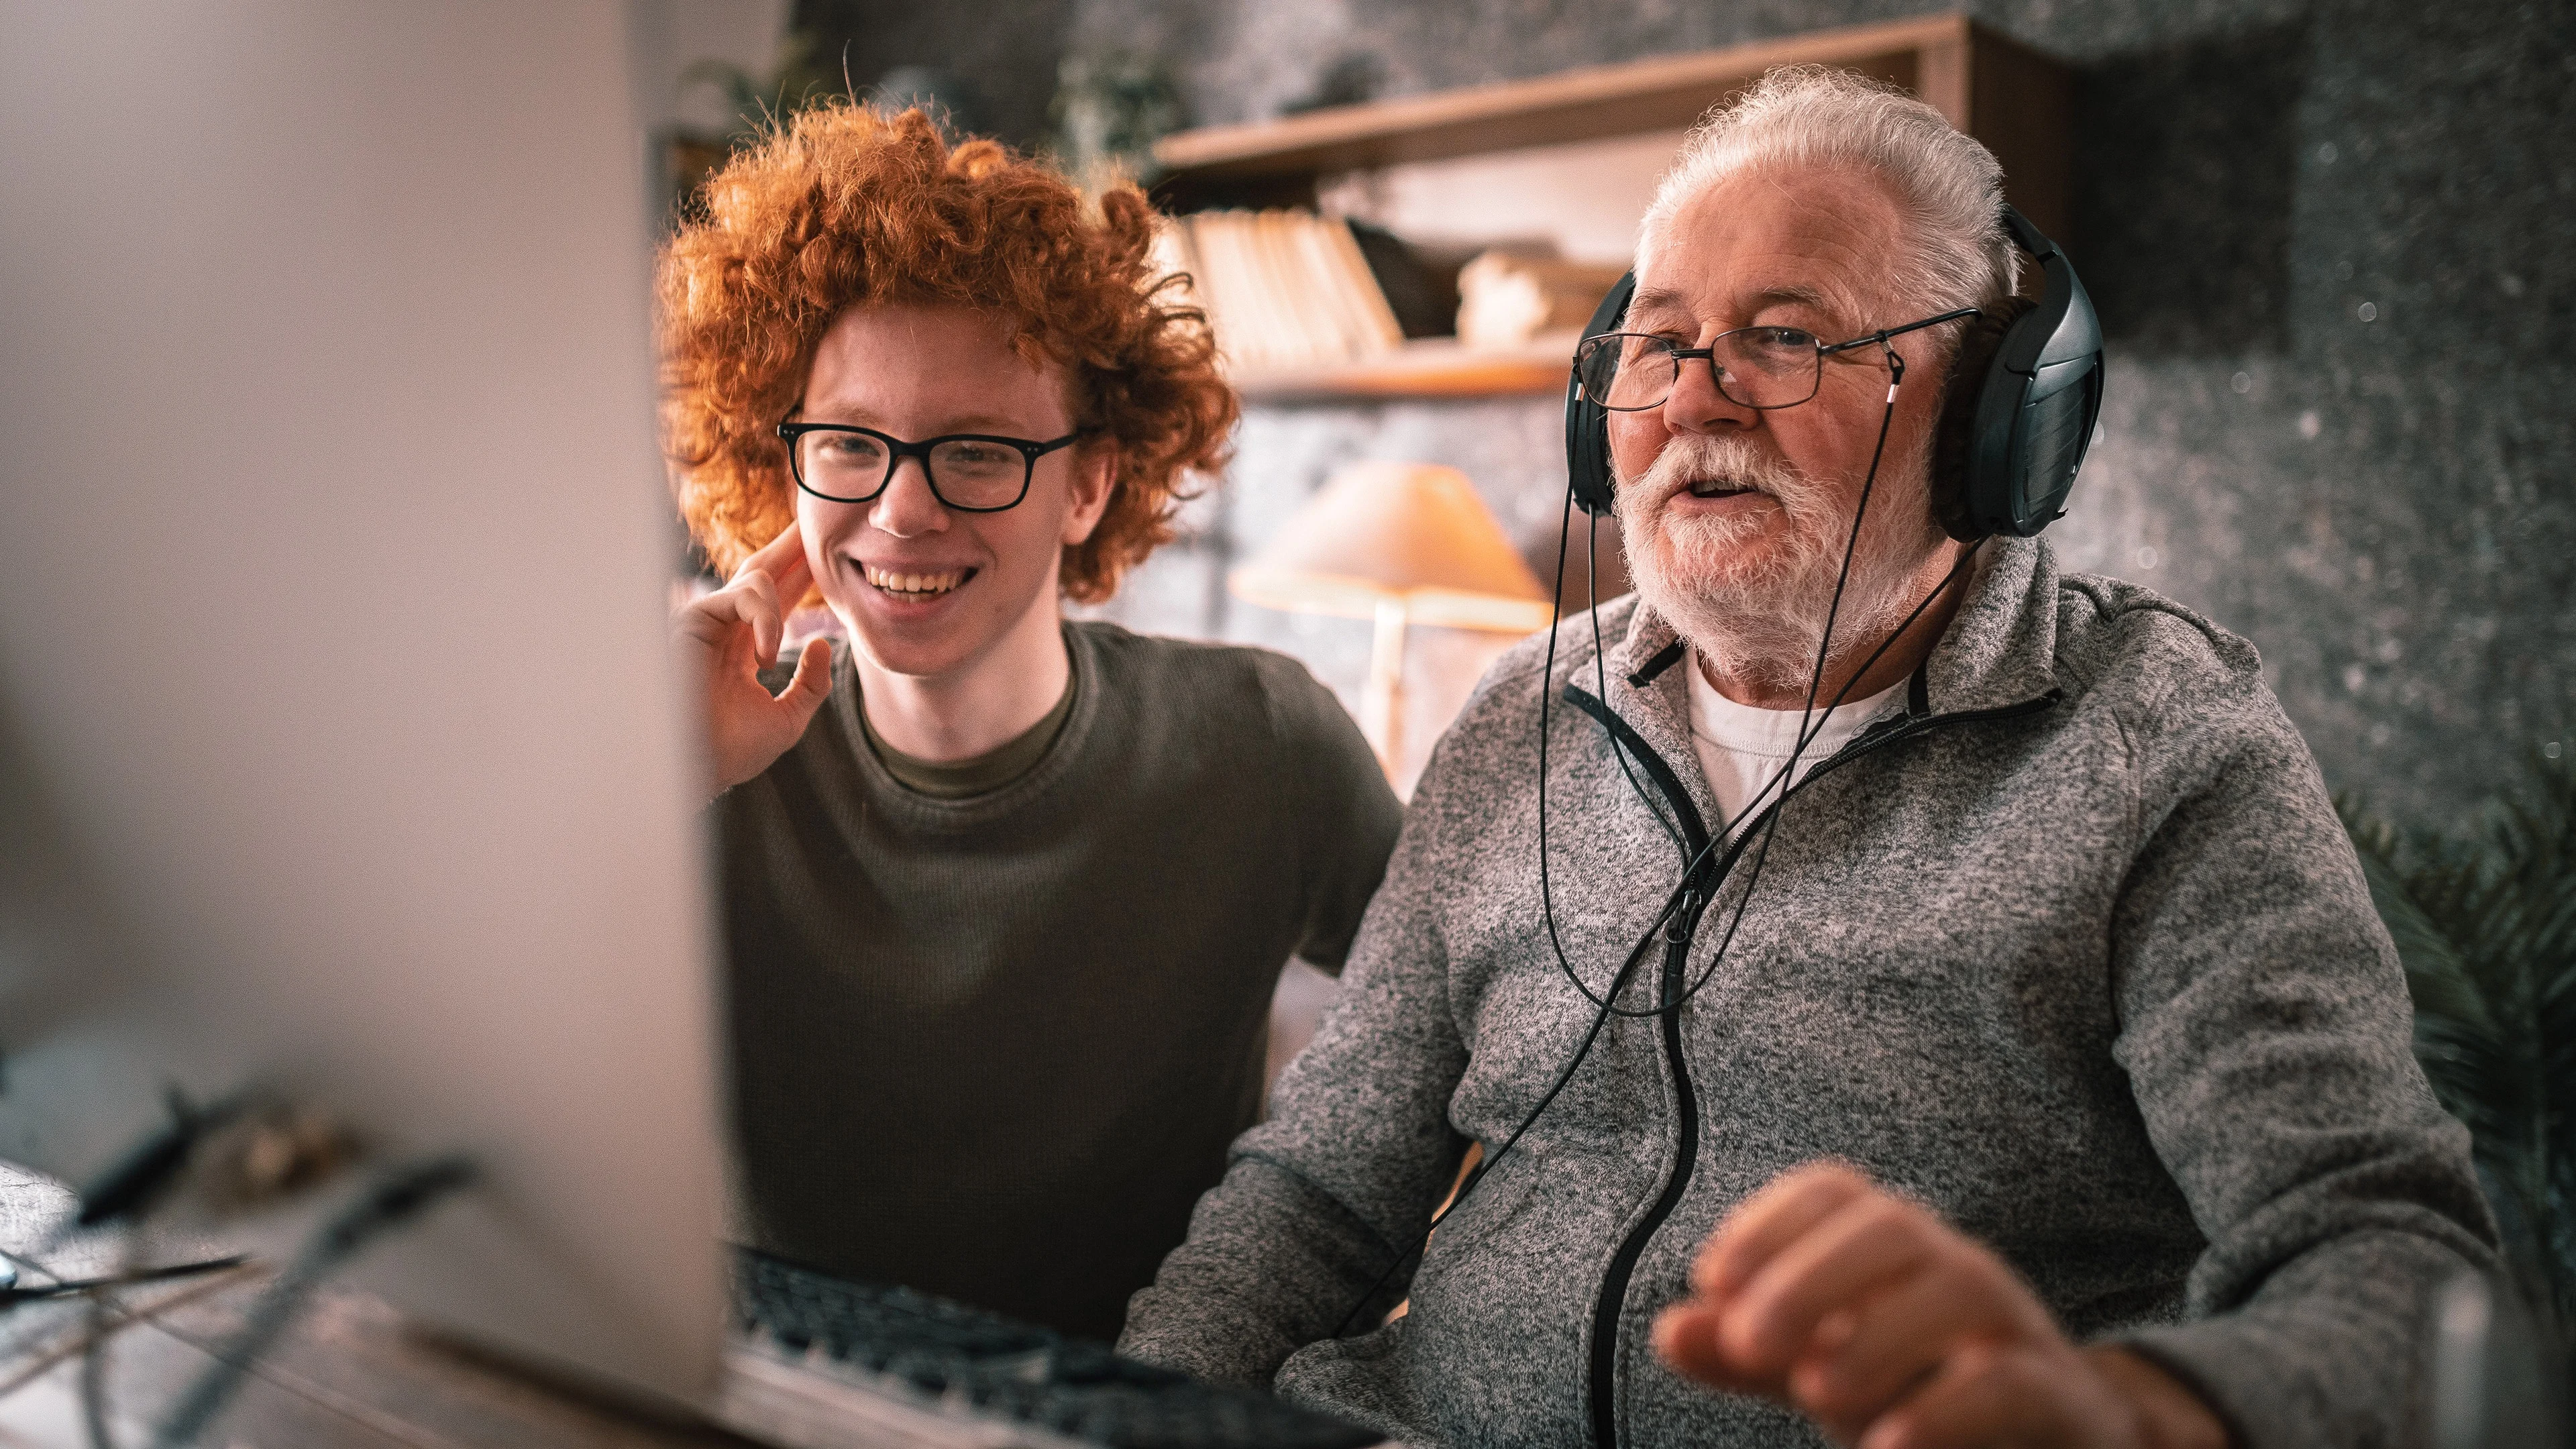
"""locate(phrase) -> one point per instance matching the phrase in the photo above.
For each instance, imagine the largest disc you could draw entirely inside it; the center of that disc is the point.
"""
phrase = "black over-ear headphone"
(2016, 415)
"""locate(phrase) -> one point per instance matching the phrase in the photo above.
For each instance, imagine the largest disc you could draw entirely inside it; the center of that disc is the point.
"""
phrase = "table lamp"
(1399, 543)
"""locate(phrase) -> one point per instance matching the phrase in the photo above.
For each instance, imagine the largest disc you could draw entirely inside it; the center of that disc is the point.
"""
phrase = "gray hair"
(1808, 116)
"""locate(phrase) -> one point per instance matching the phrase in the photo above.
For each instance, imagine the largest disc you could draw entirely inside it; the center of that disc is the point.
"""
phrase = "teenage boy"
(1005, 896)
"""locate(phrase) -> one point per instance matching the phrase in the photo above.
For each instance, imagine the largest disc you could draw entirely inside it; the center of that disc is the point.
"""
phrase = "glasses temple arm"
(1879, 338)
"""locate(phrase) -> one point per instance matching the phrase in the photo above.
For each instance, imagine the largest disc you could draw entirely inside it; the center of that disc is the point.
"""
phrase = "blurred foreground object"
(2495, 1382)
(375, 802)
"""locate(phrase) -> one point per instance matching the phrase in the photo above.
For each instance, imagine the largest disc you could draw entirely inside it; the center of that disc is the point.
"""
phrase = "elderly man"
(2039, 1064)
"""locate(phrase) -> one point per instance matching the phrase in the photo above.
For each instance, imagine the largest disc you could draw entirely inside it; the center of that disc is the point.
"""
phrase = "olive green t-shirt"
(991, 770)
(995, 1047)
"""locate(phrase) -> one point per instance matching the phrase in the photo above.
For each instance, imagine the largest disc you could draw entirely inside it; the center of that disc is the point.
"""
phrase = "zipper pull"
(1677, 931)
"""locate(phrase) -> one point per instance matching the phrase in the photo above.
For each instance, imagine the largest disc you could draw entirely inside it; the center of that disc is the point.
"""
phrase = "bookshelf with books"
(1303, 308)
(1292, 227)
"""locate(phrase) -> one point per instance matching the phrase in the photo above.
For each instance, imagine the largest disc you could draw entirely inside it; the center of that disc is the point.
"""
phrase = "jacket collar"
(1659, 709)
(2000, 649)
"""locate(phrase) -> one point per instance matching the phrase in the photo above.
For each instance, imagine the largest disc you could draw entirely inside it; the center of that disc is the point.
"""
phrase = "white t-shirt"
(1742, 748)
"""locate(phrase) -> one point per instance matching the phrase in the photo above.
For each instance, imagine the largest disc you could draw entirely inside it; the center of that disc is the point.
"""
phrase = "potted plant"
(2485, 923)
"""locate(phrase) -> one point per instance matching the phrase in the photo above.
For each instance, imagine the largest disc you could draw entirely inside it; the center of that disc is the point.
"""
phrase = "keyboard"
(933, 1372)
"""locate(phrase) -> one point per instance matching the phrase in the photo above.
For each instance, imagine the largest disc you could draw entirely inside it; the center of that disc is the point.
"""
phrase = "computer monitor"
(340, 745)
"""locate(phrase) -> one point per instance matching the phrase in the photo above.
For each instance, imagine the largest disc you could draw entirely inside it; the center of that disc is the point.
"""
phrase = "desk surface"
(348, 1373)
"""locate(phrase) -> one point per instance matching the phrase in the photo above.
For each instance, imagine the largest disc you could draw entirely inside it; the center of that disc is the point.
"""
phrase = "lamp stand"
(1382, 701)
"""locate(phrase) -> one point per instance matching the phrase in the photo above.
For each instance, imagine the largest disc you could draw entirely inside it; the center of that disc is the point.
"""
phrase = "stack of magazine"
(1282, 289)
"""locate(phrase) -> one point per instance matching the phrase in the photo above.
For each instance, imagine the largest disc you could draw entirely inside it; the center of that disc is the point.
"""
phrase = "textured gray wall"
(2326, 242)
(1003, 51)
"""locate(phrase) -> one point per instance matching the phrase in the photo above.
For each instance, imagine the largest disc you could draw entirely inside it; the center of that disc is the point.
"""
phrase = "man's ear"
(1095, 473)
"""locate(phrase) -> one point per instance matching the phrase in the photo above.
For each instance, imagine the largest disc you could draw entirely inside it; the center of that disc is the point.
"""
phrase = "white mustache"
(1767, 616)
(1688, 458)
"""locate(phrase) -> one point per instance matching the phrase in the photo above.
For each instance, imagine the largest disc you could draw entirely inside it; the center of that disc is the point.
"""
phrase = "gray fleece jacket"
(2072, 950)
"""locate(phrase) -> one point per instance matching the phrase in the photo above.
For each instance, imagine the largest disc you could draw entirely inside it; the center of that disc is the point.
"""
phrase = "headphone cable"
(1782, 779)
(1608, 1005)
(1600, 676)
(1772, 820)
(1809, 728)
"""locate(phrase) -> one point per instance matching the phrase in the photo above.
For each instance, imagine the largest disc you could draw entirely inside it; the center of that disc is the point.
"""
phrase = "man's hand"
(728, 637)
(1893, 1330)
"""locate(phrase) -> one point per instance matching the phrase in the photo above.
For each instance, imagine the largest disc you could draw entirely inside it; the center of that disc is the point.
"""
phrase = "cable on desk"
(64, 1287)
(11, 1348)
(43, 1361)
(93, 1373)
(23, 1261)
(99, 1320)
(395, 1200)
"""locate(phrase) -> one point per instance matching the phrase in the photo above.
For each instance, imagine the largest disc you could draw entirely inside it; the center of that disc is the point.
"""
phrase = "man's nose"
(1697, 406)
(907, 508)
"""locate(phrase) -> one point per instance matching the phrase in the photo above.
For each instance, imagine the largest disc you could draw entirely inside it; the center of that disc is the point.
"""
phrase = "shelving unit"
(1427, 367)
(2018, 102)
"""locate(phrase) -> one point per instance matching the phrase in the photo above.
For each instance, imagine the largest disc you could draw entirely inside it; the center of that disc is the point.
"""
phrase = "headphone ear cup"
(1980, 343)
(1587, 423)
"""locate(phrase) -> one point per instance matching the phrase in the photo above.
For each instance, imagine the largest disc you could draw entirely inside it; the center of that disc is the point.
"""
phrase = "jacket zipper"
(1613, 1297)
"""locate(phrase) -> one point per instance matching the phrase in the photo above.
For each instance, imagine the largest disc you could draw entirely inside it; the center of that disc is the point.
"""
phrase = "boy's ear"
(1095, 473)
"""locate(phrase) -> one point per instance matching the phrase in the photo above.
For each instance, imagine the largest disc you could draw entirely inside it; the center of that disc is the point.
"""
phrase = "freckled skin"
(943, 676)
(917, 372)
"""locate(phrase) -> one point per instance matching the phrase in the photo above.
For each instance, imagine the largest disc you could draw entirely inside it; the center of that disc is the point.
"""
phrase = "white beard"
(1764, 620)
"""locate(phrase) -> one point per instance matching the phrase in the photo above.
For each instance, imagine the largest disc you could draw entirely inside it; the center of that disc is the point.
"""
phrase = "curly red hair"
(845, 206)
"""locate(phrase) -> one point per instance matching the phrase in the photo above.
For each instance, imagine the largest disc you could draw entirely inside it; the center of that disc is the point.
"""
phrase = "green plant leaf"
(2484, 922)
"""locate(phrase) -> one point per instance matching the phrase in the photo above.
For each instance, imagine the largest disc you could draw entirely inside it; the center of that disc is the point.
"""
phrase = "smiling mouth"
(915, 585)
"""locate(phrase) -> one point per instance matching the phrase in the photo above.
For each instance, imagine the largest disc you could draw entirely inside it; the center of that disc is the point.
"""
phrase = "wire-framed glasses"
(969, 472)
(1754, 367)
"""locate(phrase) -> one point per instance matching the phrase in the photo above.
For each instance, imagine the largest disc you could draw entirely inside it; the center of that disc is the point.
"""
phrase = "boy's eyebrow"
(864, 417)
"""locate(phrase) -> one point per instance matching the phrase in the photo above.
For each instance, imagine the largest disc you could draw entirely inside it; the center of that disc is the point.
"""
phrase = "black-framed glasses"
(969, 472)
(1754, 367)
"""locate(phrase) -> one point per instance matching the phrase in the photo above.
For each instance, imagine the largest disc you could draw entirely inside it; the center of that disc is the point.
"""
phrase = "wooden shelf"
(1430, 367)
(2017, 101)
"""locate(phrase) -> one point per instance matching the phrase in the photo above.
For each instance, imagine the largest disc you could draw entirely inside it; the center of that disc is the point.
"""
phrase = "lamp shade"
(1409, 534)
